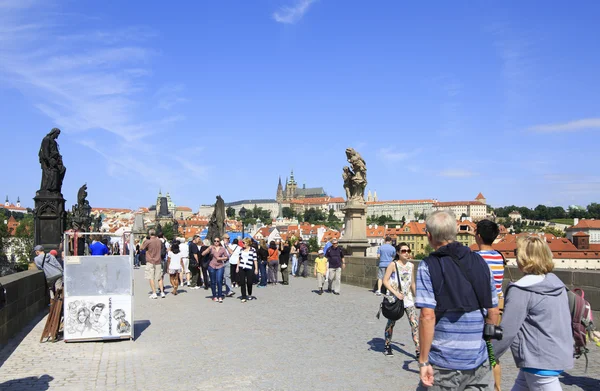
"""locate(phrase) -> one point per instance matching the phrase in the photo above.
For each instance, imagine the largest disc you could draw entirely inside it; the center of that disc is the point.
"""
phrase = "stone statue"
(80, 212)
(53, 170)
(355, 177)
(216, 224)
(175, 228)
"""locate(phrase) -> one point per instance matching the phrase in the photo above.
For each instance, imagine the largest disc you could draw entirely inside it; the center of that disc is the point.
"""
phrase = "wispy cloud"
(92, 82)
(392, 154)
(457, 173)
(170, 95)
(292, 14)
(572, 126)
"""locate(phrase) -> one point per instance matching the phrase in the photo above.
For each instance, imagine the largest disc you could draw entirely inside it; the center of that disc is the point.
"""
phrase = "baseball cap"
(39, 247)
(320, 251)
(53, 252)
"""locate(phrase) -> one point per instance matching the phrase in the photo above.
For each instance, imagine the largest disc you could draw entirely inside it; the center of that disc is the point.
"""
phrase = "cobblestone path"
(288, 339)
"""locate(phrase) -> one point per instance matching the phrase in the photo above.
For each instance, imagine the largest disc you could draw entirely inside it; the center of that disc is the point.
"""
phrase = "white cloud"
(572, 126)
(92, 82)
(292, 14)
(393, 154)
(457, 173)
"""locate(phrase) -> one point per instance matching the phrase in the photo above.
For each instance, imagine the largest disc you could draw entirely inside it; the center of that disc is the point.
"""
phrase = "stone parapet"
(22, 297)
(362, 271)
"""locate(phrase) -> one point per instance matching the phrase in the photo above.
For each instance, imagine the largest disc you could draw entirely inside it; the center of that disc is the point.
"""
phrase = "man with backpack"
(302, 258)
(454, 288)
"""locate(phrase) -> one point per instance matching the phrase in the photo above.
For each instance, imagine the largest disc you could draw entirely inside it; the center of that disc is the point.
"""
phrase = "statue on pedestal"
(53, 169)
(355, 177)
(50, 217)
(81, 219)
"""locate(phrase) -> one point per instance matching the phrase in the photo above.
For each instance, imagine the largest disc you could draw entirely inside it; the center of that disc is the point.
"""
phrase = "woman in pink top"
(218, 257)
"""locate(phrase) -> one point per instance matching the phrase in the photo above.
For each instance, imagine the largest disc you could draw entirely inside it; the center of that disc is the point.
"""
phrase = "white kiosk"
(98, 292)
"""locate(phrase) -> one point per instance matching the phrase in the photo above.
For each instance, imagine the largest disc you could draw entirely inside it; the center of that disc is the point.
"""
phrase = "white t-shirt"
(234, 250)
(175, 263)
(185, 250)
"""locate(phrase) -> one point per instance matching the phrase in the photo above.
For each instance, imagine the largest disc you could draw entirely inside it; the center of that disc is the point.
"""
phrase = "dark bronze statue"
(53, 170)
(80, 212)
(216, 224)
(355, 177)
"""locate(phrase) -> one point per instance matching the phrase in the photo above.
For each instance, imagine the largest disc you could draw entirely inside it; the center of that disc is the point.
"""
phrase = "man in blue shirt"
(454, 289)
(98, 248)
(385, 254)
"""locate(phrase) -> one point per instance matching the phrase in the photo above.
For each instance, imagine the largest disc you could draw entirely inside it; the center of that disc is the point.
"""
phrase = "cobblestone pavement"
(288, 339)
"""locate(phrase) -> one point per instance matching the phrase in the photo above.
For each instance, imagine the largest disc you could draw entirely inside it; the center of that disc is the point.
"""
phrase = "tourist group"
(223, 265)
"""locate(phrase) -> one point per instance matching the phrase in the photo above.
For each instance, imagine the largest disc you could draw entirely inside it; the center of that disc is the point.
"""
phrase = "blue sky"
(222, 97)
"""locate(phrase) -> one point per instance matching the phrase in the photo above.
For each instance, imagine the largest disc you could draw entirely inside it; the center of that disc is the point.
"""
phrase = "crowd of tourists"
(461, 332)
(225, 265)
(466, 321)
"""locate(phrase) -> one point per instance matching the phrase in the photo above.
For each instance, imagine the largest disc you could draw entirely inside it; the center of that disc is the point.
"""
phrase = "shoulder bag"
(392, 310)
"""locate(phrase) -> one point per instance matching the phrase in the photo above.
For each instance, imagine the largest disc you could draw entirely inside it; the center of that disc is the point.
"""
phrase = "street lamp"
(242, 214)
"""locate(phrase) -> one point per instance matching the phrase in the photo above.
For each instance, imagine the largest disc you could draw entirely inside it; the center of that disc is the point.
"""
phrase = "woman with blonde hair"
(537, 320)
(246, 268)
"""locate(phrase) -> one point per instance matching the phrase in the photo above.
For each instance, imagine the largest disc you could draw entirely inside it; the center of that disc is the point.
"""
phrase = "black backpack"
(163, 250)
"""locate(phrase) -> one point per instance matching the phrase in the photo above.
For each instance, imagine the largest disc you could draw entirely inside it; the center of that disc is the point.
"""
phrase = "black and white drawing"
(122, 325)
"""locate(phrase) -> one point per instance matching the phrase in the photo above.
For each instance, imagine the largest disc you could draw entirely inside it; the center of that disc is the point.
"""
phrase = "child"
(321, 267)
(175, 265)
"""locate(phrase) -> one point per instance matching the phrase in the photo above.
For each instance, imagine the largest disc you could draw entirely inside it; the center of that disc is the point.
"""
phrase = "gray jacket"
(537, 325)
(52, 268)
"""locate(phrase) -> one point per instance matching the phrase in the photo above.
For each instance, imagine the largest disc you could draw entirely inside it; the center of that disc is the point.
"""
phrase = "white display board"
(98, 298)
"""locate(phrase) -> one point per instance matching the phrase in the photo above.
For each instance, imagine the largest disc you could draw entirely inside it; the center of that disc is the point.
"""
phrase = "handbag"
(392, 310)
(283, 266)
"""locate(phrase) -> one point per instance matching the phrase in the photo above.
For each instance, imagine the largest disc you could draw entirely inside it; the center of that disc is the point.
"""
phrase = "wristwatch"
(424, 364)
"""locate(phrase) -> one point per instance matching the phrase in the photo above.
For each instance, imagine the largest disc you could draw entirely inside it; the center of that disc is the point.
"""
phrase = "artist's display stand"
(98, 290)
(54, 319)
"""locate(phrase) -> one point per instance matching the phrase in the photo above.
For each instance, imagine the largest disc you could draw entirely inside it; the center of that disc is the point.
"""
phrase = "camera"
(491, 331)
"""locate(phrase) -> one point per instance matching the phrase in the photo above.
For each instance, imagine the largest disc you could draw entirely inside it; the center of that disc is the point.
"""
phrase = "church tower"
(279, 191)
(291, 187)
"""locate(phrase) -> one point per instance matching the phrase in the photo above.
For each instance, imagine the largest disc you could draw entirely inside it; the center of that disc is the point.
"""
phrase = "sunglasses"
(404, 251)
(216, 241)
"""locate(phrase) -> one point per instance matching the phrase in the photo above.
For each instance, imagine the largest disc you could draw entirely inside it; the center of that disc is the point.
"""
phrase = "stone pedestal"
(50, 219)
(355, 240)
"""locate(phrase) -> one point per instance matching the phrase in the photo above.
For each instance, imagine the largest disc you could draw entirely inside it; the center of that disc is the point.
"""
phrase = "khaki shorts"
(153, 272)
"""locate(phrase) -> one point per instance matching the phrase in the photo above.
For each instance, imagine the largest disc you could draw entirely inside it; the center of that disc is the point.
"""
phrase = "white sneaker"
(162, 294)
(378, 293)
(153, 296)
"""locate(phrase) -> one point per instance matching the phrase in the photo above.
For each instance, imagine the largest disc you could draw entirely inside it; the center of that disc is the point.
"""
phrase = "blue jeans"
(216, 281)
(262, 267)
(294, 264)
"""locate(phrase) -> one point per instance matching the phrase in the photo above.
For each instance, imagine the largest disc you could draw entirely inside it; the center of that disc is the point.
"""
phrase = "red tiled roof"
(184, 209)
(13, 207)
(457, 203)
(581, 234)
(587, 223)
(373, 232)
(400, 202)
(480, 197)
(336, 200)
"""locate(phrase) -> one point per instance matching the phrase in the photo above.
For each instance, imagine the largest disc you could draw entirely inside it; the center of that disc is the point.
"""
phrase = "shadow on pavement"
(377, 345)
(586, 383)
(15, 340)
(139, 326)
(406, 368)
(25, 383)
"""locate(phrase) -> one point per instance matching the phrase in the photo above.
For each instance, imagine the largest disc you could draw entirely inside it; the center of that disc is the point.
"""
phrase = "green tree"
(230, 212)
(24, 237)
(287, 212)
(313, 244)
(554, 231)
(314, 216)
(593, 210)
(428, 249)
(168, 231)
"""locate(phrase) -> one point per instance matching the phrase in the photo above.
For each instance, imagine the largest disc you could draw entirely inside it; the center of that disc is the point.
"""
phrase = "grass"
(563, 221)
